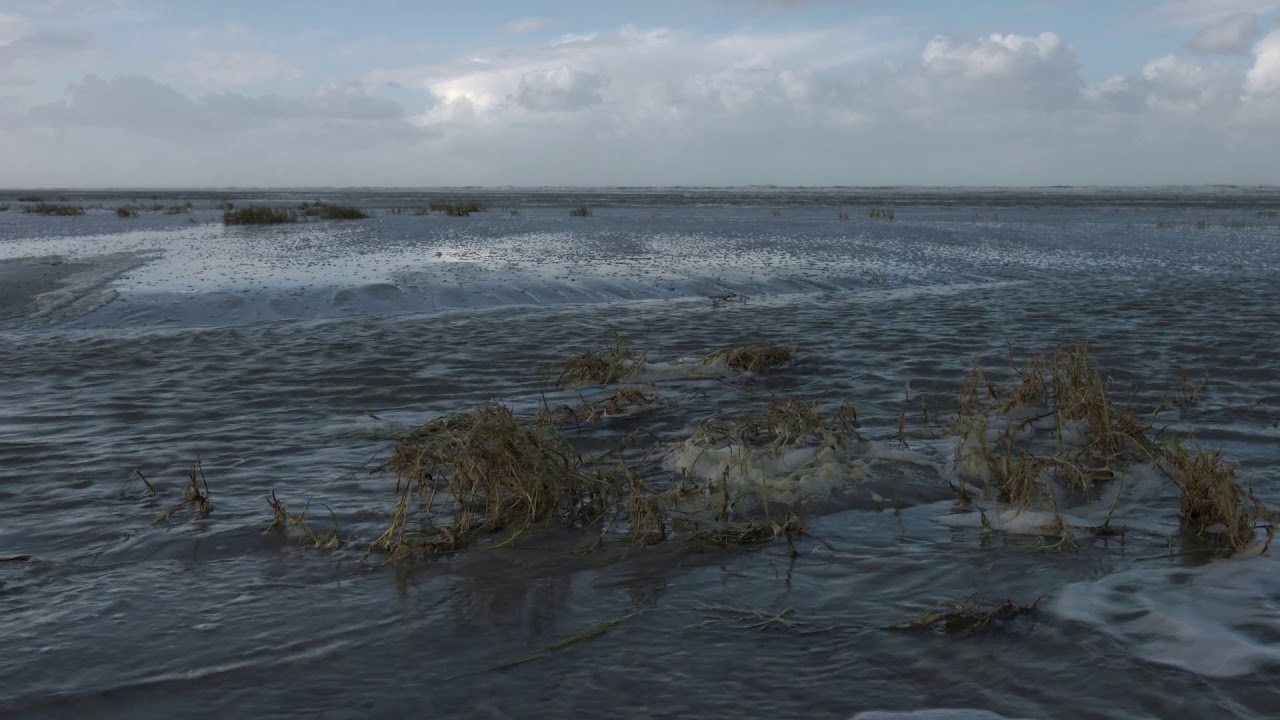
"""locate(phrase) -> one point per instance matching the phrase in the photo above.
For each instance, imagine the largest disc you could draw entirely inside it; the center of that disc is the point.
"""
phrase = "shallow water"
(283, 357)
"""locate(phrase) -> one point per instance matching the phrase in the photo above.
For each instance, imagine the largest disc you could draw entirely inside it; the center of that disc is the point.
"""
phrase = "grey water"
(284, 357)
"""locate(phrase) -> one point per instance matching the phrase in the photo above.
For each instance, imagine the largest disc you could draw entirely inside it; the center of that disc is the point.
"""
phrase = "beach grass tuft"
(327, 211)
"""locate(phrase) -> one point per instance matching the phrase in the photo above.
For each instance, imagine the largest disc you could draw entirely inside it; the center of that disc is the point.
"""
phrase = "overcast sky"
(638, 92)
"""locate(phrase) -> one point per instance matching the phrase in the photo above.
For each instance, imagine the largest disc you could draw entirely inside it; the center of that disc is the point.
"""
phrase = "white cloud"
(1264, 76)
(521, 26)
(558, 89)
(216, 70)
(1197, 14)
(1029, 70)
(30, 57)
(1233, 34)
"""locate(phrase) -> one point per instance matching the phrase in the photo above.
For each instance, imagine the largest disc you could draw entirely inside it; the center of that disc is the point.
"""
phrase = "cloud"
(210, 69)
(521, 26)
(558, 89)
(1197, 14)
(1264, 76)
(1038, 70)
(145, 107)
(1233, 34)
(31, 57)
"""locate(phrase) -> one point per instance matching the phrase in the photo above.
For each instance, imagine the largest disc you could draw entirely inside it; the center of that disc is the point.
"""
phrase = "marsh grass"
(259, 215)
(1266, 214)
(753, 358)
(603, 367)
(178, 209)
(1210, 498)
(327, 211)
(625, 398)
(282, 520)
(30, 198)
(195, 495)
(53, 209)
(457, 209)
(487, 472)
(972, 614)
(580, 211)
(4, 207)
(125, 211)
(880, 213)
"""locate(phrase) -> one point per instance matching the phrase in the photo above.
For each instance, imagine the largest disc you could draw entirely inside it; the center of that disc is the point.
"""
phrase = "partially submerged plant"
(486, 471)
(753, 358)
(580, 211)
(1210, 498)
(603, 367)
(259, 215)
(728, 297)
(971, 614)
(126, 211)
(457, 209)
(195, 495)
(282, 519)
(616, 403)
(328, 211)
(44, 208)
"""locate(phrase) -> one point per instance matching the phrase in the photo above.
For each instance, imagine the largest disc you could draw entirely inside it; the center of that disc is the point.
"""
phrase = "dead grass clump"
(486, 471)
(728, 297)
(753, 358)
(1210, 498)
(195, 495)
(752, 534)
(971, 614)
(603, 367)
(616, 403)
(282, 519)
(580, 211)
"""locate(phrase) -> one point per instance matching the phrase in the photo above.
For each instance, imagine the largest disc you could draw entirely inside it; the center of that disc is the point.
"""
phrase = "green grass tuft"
(326, 211)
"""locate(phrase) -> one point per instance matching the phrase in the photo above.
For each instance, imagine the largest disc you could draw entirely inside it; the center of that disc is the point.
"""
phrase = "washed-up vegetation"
(59, 209)
(492, 476)
(1057, 429)
(972, 614)
(328, 211)
(259, 215)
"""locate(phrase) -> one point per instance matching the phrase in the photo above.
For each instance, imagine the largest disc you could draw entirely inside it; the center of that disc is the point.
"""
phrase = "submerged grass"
(4, 207)
(59, 209)
(259, 215)
(580, 211)
(753, 358)
(1210, 498)
(603, 367)
(195, 495)
(328, 211)
(972, 614)
(485, 472)
(458, 209)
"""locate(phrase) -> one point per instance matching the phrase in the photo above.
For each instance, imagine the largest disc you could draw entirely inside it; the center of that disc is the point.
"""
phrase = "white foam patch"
(1010, 520)
(1219, 620)
(785, 475)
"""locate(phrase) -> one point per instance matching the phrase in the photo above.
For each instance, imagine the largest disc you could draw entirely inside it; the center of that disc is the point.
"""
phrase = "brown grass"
(485, 472)
(1210, 498)
(603, 367)
(195, 495)
(971, 614)
(753, 358)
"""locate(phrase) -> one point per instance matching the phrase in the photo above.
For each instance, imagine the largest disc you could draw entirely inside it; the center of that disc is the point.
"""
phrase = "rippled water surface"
(284, 357)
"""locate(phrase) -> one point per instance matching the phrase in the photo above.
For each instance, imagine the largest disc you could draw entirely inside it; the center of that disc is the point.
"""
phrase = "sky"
(398, 93)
